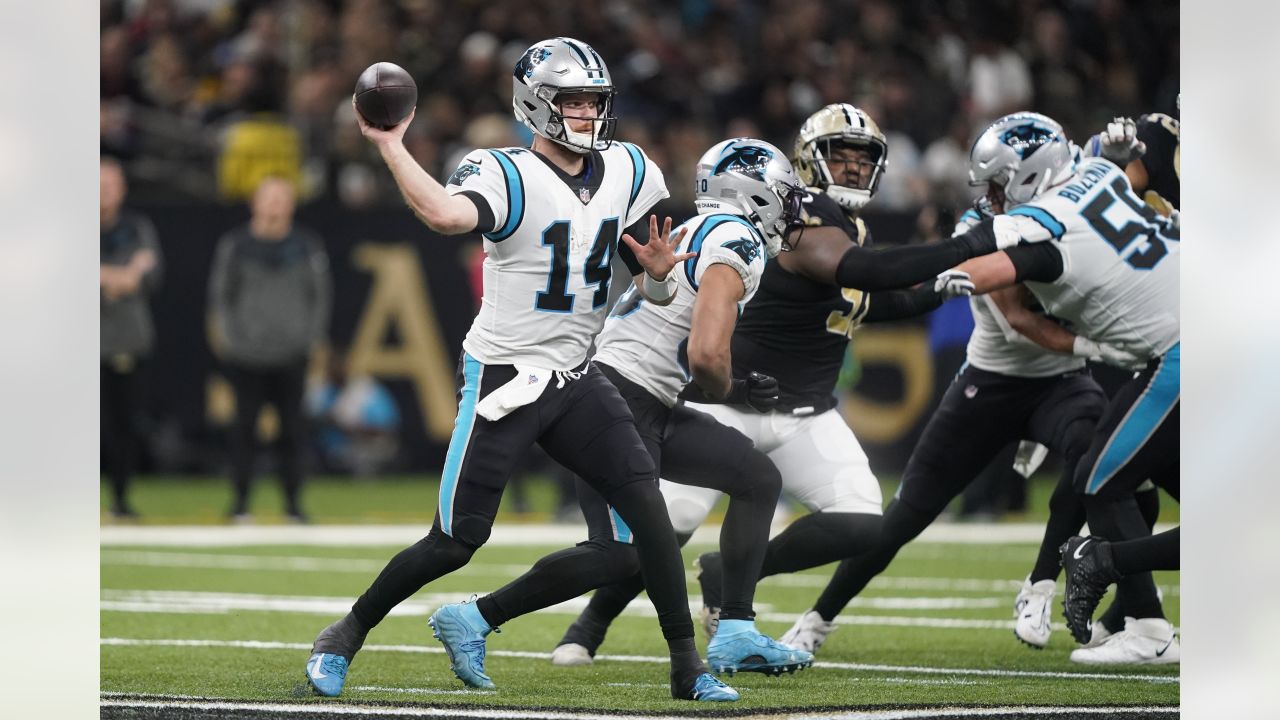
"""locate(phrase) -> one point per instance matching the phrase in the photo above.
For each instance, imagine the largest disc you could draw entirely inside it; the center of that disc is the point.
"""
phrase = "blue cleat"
(326, 673)
(739, 647)
(461, 629)
(707, 688)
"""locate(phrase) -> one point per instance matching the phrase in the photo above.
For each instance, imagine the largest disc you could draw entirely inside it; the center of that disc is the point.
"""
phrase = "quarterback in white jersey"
(552, 216)
(1096, 256)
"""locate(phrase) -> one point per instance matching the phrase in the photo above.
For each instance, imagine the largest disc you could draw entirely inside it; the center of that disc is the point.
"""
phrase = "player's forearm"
(899, 267)
(712, 372)
(426, 196)
(1043, 332)
(901, 304)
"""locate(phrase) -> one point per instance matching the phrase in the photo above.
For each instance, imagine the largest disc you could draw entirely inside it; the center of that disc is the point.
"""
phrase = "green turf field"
(237, 623)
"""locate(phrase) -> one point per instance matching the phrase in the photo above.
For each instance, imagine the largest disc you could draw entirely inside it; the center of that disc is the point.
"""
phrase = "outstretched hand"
(658, 256)
(379, 136)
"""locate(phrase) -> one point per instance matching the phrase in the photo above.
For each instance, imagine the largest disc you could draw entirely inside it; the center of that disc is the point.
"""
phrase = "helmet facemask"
(860, 177)
(558, 125)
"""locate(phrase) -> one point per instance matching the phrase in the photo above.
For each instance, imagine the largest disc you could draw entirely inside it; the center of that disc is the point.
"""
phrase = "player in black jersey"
(1150, 152)
(796, 330)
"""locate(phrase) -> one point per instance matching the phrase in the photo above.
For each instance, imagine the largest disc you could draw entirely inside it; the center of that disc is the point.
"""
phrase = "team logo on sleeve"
(746, 248)
(460, 175)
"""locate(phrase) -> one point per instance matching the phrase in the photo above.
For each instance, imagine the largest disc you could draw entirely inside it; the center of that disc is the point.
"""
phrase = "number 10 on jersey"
(596, 269)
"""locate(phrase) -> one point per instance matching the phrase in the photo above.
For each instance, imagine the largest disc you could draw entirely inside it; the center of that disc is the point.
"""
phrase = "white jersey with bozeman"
(548, 253)
(1119, 282)
(648, 343)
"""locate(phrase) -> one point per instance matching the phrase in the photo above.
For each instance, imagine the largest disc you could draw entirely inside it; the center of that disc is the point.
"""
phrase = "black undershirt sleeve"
(484, 214)
(890, 268)
(1038, 262)
(900, 304)
(640, 231)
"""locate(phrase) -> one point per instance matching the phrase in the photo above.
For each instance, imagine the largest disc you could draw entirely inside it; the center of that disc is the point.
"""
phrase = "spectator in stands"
(128, 272)
(270, 295)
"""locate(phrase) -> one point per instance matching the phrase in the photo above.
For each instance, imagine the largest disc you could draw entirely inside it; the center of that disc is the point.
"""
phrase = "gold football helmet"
(841, 151)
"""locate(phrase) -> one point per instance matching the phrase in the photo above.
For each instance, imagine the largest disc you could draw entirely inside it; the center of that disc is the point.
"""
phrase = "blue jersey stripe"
(1049, 222)
(621, 532)
(472, 371)
(515, 198)
(1141, 422)
(638, 171)
(695, 245)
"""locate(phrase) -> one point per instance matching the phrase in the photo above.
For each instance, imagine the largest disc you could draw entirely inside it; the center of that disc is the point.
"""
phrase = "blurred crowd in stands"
(203, 98)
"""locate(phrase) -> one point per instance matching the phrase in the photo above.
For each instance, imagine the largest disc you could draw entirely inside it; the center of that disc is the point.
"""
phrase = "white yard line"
(160, 702)
(503, 534)
(299, 563)
(430, 650)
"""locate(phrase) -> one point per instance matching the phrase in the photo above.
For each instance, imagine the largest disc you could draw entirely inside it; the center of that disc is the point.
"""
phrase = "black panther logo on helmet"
(748, 159)
(1025, 139)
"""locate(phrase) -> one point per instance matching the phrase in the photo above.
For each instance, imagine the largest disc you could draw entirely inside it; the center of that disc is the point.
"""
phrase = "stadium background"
(202, 98)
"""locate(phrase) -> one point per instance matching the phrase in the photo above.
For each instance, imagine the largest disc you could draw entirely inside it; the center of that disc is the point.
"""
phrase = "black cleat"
(1089, 572)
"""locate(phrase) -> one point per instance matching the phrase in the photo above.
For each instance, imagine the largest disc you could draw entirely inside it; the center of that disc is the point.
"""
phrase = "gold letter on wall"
(399, 295)
(908, 351)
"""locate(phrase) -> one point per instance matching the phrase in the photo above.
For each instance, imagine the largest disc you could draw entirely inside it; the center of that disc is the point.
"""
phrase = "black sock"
(1066, 517)
(1158, 552)
(901, 524)
(745, 534)
(562, 575)
(686, 666)
(432, 557)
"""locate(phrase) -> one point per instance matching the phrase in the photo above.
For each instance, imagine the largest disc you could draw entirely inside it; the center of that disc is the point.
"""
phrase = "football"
(385, 94)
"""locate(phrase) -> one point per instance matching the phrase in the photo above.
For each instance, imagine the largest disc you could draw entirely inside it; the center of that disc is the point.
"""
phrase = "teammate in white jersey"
(747, 198)
(551, 216)
(1096, 256)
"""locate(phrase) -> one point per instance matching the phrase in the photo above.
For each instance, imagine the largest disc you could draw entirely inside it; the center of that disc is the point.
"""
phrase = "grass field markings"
(328, 708)
(510, 534)
(189, 601)
(163, 702)
(660, 659)
(425, 691)
(302, 563)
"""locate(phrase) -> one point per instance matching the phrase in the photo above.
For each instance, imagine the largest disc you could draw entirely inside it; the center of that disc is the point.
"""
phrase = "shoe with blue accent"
(739, 647)
(326, 674)
(707, 688)
(331, 655)
(461, 629)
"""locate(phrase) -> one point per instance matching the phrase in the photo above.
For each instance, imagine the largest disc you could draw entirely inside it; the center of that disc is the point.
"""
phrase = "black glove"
(758, 392)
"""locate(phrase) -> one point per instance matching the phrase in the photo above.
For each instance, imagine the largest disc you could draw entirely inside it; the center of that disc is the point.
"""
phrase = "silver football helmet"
(754, 179)
(563, 66)
(834, 126)
(1024, 154)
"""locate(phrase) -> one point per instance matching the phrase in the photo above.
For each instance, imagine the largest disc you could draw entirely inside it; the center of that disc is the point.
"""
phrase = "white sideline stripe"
(424, 604)
(503, 534)
(179, 701)
(424, 649)
(301, 563)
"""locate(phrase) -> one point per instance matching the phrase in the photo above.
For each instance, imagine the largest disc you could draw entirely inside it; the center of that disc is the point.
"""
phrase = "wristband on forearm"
(660, 291)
